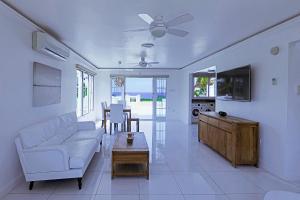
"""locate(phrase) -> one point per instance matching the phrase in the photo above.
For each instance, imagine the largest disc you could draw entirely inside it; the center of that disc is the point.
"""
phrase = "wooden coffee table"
(130, 160)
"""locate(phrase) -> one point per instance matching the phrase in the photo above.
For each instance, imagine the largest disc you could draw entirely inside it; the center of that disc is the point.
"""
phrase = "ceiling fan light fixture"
(158, 30)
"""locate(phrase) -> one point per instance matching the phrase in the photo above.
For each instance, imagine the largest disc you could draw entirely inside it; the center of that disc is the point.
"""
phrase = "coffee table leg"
(112, 167)
(105, 121)
(148, 171)
(147, 167)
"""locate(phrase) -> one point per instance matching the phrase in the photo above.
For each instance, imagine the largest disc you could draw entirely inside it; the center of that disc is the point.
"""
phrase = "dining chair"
(137, 124)
(123, 102)
(104, 106)
(116, 116)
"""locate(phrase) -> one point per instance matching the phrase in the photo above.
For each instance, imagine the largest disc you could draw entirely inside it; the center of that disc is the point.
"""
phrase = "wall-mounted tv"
(235, 84)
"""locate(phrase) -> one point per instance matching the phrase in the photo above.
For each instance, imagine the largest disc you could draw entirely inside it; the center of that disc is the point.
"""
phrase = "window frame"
(90, 91)
(207, 86)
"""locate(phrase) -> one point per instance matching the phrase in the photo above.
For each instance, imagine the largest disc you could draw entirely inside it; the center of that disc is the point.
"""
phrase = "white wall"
(269, 105)
(103, 92)
(293, 126)
(16, 111)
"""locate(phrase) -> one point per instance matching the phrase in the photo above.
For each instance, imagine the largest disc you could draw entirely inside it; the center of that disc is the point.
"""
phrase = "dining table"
(107, 110)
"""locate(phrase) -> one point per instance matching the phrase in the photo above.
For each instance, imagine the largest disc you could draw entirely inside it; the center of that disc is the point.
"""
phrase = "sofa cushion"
(80, 152)
(33, 136)
(51, 127)
(55, 140)
(68, 123)
(87, 134)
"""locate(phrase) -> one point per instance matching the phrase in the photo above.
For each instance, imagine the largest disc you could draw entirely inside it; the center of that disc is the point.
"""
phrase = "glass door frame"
(155, 95)
(154, 89)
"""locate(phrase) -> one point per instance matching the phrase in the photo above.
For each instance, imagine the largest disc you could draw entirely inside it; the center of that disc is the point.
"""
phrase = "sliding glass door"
(146, 96)
(139, 96)
(160, 85)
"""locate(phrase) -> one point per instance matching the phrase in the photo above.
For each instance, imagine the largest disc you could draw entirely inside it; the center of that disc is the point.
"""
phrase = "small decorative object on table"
(129, 138)
(223, 114)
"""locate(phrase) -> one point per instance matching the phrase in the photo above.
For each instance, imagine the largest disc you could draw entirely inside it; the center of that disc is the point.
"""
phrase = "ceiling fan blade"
(153, 63)
(137, 30)
(147, 18)
(177, 32)
(180, 20)
(132, 63)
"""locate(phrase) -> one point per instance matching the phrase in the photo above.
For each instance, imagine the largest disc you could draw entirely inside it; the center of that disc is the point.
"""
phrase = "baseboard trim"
(8, 187)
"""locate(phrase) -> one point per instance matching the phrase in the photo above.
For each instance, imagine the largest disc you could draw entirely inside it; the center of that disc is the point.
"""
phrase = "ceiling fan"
(144, 63)
(158, 27)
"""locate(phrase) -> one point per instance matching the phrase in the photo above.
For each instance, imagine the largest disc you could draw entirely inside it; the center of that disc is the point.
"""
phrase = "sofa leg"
(79, 183)
(110, 124)
(31, 185)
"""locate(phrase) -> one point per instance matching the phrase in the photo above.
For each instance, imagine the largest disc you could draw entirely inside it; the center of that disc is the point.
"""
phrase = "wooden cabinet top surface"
(229, 119)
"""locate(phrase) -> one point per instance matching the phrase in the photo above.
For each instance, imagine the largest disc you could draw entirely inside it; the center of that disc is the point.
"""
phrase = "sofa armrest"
(46, 159)
(86, 125)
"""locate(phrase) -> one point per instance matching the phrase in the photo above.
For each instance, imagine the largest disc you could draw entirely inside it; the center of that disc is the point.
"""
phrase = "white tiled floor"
(181, 168)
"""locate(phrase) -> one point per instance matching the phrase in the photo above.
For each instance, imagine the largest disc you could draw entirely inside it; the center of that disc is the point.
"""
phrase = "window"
(204, 86)
(85, 93)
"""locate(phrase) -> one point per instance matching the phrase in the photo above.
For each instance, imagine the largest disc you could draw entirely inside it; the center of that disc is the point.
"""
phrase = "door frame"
(154, 89)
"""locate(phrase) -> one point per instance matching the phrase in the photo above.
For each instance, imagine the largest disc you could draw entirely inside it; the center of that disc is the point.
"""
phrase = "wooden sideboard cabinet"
(234, 138)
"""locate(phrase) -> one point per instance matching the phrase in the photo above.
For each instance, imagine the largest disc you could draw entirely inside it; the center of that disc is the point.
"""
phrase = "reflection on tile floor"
(181, 168)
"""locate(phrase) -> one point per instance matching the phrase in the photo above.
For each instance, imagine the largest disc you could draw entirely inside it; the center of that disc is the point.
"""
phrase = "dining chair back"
(103, 107)
(105, 104)
(116, 113)
(116, 116)
(121, 102)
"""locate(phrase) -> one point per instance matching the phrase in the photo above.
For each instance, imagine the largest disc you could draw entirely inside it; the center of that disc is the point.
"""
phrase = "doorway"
(146, 96)
(139, 96)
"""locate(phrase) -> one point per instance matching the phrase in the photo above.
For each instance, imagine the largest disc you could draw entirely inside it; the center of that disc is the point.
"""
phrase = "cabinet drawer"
(203, 118)
(213, 122)
(225, 126)
(129, 157)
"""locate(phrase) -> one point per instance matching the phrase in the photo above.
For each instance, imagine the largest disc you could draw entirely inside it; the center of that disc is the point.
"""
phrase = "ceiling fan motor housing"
(143, 64)
(158, 28)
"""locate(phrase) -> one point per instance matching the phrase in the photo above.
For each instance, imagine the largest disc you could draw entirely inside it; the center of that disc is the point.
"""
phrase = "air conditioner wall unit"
(45, 44)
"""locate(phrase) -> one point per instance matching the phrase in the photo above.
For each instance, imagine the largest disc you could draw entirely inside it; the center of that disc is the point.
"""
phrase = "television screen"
(234, 84)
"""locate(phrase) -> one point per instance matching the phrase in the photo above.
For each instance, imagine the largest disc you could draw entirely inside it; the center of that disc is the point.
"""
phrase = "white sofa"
(59, 148)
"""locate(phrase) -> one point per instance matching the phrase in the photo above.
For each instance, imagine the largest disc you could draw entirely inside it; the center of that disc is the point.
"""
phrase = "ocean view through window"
(146, 96)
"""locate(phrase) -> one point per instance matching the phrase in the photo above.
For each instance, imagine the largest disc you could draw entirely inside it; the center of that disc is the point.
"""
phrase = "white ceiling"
(95, 28)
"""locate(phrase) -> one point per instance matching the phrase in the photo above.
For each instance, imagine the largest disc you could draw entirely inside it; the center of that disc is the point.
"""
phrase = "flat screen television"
(235, 84)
